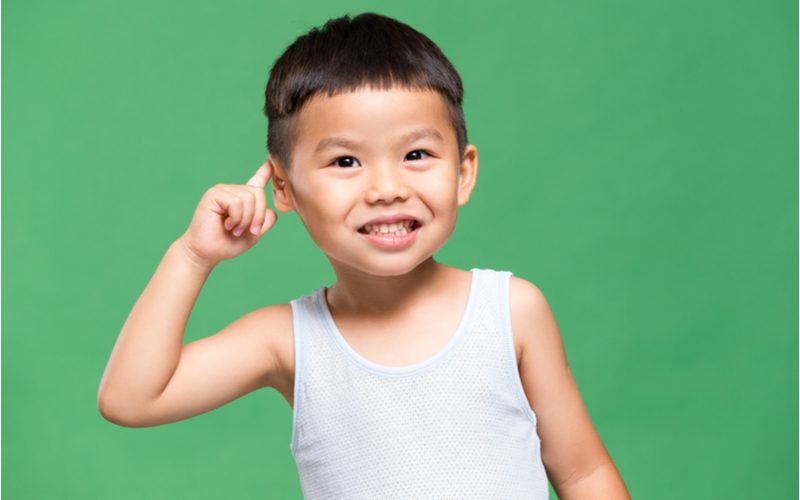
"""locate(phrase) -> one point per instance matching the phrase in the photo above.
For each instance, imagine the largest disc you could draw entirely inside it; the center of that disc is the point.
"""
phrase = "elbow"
(118, 414)
(110, 413)
(106, 405)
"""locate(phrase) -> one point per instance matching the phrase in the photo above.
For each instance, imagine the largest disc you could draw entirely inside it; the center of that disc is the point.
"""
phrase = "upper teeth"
(389, 228)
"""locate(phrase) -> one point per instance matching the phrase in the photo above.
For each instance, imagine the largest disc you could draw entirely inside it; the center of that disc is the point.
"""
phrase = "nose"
(386, 184)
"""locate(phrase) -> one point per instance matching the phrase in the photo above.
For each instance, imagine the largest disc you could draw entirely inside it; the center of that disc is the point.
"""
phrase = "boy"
(404, 376)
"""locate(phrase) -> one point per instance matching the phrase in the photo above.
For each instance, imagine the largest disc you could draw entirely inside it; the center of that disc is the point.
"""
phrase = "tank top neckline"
(407, 369)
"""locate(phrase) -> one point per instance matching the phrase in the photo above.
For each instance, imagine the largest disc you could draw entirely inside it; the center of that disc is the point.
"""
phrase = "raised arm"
(149, 358)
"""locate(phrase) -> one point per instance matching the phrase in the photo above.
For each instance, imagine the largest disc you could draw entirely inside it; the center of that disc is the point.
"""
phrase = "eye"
(347, 159)
(421, 151)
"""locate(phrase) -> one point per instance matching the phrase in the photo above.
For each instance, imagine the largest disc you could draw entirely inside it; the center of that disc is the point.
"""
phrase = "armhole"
(296, 397)
(516, 380)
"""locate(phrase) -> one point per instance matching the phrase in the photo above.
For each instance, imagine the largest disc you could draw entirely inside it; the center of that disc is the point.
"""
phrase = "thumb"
(261, 177)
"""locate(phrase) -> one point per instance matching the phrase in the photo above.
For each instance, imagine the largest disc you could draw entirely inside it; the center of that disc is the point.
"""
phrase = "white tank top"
(457, 425)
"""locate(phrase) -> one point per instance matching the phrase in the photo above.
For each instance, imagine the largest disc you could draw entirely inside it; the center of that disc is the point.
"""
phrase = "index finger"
(261, 177)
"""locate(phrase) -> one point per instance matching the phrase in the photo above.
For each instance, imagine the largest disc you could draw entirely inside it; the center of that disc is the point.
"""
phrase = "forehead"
(374, 116)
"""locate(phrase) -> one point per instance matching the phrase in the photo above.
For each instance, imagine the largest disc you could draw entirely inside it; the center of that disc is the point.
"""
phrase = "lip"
(390, 242)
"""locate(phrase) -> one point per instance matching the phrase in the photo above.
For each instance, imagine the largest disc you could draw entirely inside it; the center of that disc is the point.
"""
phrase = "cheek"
(326, 199)
(438, 191)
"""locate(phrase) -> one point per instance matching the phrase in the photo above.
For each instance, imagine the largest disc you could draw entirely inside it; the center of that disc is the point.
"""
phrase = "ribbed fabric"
(457, 425)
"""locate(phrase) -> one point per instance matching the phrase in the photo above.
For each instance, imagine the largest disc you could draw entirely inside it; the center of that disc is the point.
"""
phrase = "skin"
(394, 307)
(336, 191)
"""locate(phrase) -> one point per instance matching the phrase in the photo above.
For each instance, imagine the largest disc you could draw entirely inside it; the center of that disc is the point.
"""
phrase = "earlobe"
(280, 189)
(467, 174)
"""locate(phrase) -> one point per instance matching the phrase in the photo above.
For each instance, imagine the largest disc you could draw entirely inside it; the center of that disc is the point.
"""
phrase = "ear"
(281, 190)
(467, 174)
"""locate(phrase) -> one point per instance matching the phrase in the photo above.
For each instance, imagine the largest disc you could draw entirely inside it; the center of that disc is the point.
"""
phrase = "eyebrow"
(423, 133)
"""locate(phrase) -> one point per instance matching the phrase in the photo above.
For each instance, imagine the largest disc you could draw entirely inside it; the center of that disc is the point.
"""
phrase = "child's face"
(382, 170)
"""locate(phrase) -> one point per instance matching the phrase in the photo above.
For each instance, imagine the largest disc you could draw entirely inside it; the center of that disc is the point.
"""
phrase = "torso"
(396, 346)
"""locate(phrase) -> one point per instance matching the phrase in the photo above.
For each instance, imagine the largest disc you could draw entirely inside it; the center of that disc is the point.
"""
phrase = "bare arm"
(601, 483)
(151, 378)
(577, 462)
(148, 347)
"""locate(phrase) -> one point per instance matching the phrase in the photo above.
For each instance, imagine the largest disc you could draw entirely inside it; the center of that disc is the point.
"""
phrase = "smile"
(399, 228)
(391, 236)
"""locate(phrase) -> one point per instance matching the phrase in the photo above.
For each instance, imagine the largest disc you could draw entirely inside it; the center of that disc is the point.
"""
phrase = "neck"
(370, 295)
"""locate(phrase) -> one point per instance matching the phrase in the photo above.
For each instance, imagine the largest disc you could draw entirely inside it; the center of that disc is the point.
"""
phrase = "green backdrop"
(638, 163)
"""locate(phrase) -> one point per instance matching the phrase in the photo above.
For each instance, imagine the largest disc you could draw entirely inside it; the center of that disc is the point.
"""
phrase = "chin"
(390, 265)
(387, 269)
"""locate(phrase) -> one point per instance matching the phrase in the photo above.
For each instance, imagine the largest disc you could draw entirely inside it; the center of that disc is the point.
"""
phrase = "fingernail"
(255, 228)
(238, 231)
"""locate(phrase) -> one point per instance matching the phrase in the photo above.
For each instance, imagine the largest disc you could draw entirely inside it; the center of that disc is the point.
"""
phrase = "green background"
(638, 163)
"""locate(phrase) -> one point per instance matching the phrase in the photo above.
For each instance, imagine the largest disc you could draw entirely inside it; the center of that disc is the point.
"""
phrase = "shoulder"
(523, 293)
(272, 329)
(272, 321)
(531, 317)
(277, 321)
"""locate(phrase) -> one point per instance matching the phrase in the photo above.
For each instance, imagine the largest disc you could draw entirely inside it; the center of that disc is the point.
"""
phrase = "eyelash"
(414, 151)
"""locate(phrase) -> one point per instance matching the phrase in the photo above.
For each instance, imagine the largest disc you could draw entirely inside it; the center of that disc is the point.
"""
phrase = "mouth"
(397, 228)
(394, 236)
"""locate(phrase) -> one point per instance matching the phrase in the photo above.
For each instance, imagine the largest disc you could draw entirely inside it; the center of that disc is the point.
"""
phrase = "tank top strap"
(492, 304)
(303, 324)
(496, 320)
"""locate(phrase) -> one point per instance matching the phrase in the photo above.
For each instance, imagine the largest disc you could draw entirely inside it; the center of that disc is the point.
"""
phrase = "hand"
(229, 220)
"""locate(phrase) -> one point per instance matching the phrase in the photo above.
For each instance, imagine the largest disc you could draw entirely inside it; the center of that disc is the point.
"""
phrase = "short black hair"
(344, 55)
